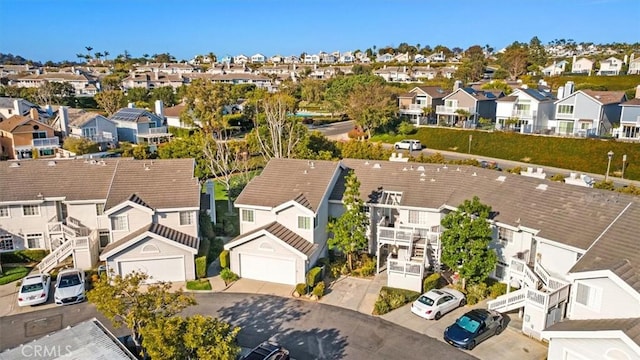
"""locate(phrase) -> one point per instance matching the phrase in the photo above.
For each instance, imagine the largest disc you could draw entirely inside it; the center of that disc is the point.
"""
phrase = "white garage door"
(270, 269)
(171, 269)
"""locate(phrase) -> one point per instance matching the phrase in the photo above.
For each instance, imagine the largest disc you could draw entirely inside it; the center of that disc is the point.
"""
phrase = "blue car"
(473, 328)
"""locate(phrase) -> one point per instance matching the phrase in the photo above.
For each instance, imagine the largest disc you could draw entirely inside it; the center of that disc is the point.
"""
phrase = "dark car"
(473, 328)
(267, 351)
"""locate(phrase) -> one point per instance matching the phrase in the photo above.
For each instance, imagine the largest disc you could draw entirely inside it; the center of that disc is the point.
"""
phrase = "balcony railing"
(524, 113)
(520, 271)
(393, 236)
(410, 268)
(442, 109)
(46, 142)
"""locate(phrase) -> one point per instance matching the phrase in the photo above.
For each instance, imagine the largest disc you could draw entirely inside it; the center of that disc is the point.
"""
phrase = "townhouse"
(525, 110)
(25, 137)
(629, 128)
(634, 65)
(153, 79)
(555, 69)
(465, 106)
(140, 126)
(581, 66)
(89, 125)
(131, 214)
(83, 83)
(610, 66)
(420, 103)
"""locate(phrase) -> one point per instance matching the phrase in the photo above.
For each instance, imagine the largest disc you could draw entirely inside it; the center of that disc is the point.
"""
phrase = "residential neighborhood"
(283, 191)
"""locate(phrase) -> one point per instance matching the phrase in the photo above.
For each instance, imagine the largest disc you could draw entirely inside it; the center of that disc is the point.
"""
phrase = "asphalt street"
(309, 330)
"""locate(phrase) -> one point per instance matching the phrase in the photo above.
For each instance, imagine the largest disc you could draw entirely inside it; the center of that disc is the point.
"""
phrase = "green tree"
(354, 149)
(311, 90)
(195, 337)
(349, 231)
(514, 59)
(124, 301)
(80, 146)
(465, 242)
(164, 93)
(187, 147)
(110, 100)
(205, 102)
(371, 106)
(339, 89)
(141, 152)
(138, 95)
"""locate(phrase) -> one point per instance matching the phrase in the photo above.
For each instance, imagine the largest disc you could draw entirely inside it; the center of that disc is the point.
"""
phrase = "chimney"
(33, 113)
(17, 107)
(568, 88)
(131, 105)
(574, 60)
(160, 108)
(63, 115)
(560, 92)
(638, 92)
(457, 85)
(626, 57)
(155, 74)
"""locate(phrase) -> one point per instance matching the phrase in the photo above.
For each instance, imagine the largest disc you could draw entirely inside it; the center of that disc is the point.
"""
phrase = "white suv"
(408, 145)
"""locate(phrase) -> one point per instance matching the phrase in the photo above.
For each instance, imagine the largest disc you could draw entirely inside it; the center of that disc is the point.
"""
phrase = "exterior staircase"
(510, 301)
(71, 235)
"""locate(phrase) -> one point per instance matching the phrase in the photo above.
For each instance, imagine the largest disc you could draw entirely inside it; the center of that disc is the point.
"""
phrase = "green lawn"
(11, 274)
(202, 284)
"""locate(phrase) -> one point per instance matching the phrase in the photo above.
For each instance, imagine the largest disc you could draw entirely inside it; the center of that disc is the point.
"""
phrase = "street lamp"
(624, 160)
(610, 156)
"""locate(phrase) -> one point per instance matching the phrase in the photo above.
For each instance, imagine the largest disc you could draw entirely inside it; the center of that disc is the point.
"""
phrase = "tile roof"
(632, 102)
(568, 214)
(606, 97)
(174, 111)
(630, 326)
(281, 232)
(510, 98)
(160, 230)
(13, 122)
(78, 119)
(167, 183)
(435, 92)
(283, 180)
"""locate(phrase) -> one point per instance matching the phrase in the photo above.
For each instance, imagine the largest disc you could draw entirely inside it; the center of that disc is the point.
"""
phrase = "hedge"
(228, 276)
(313, 276)
(201, 267)
(23, 256)
(318, 290)
(224, 259)
(301, 289)
(392, 298)
(430, 282)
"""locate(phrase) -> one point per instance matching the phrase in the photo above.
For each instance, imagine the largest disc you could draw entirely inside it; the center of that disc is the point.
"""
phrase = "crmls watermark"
(40, 351)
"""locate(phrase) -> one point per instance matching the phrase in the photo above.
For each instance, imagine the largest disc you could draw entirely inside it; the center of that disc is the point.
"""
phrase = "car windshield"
(69, 280)
(426, 300)
(31, 288)
(468, 324)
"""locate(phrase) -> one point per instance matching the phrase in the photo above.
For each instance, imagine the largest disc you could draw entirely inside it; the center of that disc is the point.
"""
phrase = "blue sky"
(59, 29)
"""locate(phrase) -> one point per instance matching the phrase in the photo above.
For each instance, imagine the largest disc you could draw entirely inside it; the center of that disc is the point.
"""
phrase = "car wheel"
(463, 302)
(471, 345)
(438, 315)
(498, 329)
(397, 147)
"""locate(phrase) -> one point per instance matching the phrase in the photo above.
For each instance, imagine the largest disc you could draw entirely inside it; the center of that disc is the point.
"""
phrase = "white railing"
(53, 141)
(68, 231)
(157, 130)
(442, 109)
(541, 272)
(62, 252)
(411, 268)
(508, 302)
(393, 236)
(521, 270)
(54, 227)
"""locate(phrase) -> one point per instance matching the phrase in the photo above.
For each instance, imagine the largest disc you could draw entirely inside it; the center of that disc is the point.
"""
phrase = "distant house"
(16, 106)
(394, 73)
(630, 119)
(25, 137)
(384, 58)
(139, 126)
(152, 80)
(634, 65)
(291, 59)
(240, 59)
(83, 84)
(258, 59)
(587, 112)
(582, 66)
(88, 125)
(555, 69)
(525, 110)
(311, 59)
(465, 106)
(346, 58)
(402, 58)
(610, 66)
(420, 103)
(276, 59)
(437, 57)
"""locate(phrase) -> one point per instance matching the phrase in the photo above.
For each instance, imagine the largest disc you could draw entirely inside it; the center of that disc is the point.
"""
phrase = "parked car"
(34, 290)
(487, 164)
(267, 351)
(408, 145)
(435, 303)
(70, 287)
(473, 328)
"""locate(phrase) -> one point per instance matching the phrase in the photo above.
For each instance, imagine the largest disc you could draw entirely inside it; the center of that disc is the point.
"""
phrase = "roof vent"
(423, 175)
(102, 162)
(366, 162)
(423, 179)
(92, 162)
(420, 168)
(404, 168)
(458, 169)
(501, 178)
(376, 166)
(51, 163)
(474, 174)
(542, 187)
(15, 164)
(437, 169)
(305, 171)
(445, 167)
(433, 180)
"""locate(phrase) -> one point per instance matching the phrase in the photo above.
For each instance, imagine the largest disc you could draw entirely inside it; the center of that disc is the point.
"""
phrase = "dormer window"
(304, 222)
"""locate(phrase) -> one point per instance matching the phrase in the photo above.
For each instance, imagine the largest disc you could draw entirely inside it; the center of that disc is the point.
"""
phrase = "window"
(39, 134)
(120, 223)
(100, 209)
(588, 296)
(304, 222)
(417, 217)
(565, 109)
(4, 211)
(30, 210)
(500, 270)
(34, 240)
(247, 215)
(6, 242)
(104, 238)
(505, 235)
(186, 217)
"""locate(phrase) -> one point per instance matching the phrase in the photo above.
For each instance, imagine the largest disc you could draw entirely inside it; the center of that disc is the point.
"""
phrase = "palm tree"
(464, 114)
(106, 53)
(89, 48)
(98, 55)
(212, 58)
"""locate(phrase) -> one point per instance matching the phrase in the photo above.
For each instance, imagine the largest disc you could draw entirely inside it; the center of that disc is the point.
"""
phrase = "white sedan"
(437, 302)
(69, 287)
(34, 290)
(408, 145)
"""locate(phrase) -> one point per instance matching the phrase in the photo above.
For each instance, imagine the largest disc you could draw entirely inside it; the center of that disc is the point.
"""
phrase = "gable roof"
(567, 214)
(85, 117)
(287, 179)
(174, 111)
(281, 232)
(632, 102)
(135, 115)
(537, 94)
(157, 229)
(606, 97)
(13, 122)
(631, 326)
(435, 92)
(478, 95)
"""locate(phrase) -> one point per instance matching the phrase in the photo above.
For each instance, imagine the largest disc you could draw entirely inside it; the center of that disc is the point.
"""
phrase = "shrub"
(497, 289)
(313, 276)
(557, 177)
(431, 282)
(23, 256)
(224, 259)
(202, 284)
(476, 293)
(228, 276)
(406, 128)
(301, 288)
(368, 268)
(201, 267)
(13, 274)
(318, 290)
(392, 298)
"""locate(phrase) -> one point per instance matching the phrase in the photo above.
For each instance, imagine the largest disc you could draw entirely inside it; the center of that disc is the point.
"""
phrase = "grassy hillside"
(626, 83)
(587, 155)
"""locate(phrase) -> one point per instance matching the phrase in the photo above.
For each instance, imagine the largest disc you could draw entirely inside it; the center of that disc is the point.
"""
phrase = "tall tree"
(164, 93)
(195, 337)
(371, 106)
(188, 147)
(89, 48)
(206, 102)
(124, 301)
(514, 59)
(110, 100)
(465, 241)
(349, 231)
(225, 158)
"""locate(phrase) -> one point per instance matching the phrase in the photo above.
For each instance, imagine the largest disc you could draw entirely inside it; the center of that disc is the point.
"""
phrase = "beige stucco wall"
(137, 218)
(615, 302)
(172, 220)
